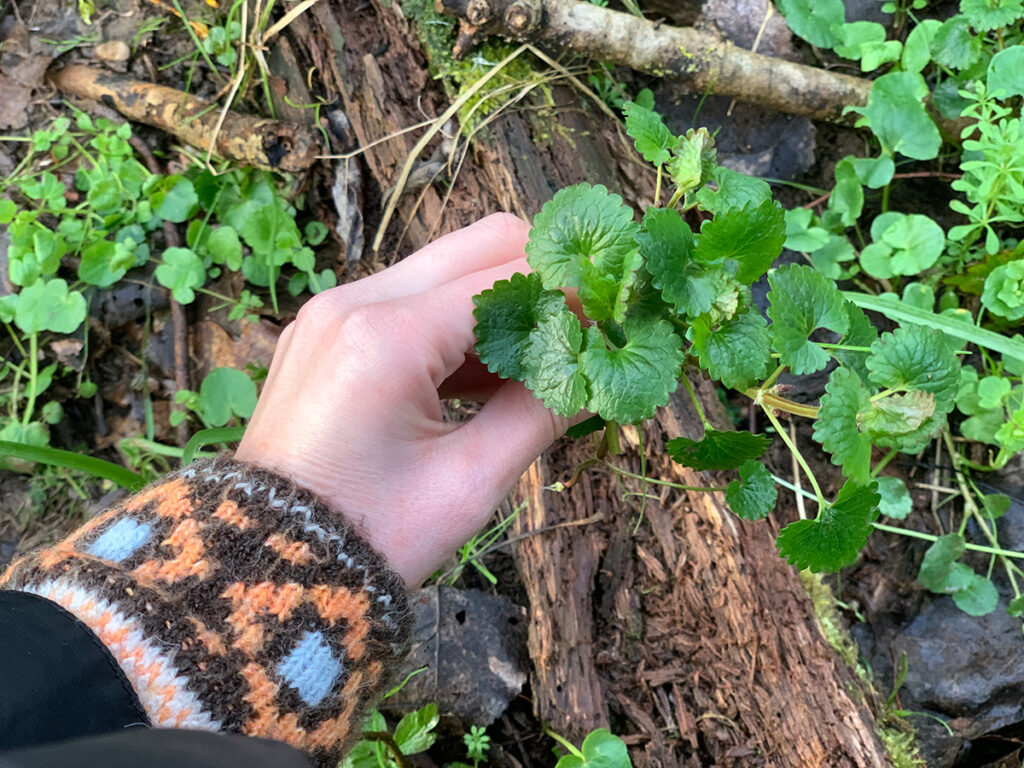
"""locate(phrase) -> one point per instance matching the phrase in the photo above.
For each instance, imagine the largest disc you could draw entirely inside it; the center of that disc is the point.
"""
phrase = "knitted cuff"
(235, 602)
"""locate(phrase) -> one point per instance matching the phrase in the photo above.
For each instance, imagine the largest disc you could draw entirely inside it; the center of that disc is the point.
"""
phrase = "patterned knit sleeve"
(234, 602)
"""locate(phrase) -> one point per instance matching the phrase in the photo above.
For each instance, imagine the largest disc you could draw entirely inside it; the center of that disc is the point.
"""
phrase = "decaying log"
(720, 695)
(702, 60)
(704, 638)
(267, 144)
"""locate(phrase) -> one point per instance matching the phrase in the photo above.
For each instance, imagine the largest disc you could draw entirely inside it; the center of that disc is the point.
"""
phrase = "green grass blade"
(208, 437)
(951, 326)
(58, 458)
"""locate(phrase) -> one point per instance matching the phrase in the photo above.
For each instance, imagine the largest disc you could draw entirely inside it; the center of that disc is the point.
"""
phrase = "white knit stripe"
(161, 689)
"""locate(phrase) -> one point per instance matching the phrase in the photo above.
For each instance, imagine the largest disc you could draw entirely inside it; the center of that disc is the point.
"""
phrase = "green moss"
(437, 34)
(895, 733)
(831, 624)
(900, 747)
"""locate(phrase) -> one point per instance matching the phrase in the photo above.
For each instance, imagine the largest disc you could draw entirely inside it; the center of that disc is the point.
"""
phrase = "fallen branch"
(702, 60)
(267, 144)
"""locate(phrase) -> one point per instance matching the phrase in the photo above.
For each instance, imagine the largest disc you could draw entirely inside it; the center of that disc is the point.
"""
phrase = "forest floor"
(959, 679)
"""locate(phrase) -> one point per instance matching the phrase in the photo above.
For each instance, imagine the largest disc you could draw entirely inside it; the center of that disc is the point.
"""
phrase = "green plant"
(472, 552)
(222, 41)
(224, 393)
(477, 744)
(659, 299)
(600, 749)
(382, 748)
(81, 216)
(969, 66)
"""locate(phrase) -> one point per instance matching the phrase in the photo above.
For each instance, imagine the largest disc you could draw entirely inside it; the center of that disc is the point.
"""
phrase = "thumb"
(508, 434)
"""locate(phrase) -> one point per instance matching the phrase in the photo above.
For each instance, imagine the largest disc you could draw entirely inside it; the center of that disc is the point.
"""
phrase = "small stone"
(472, 646)
(113, 50)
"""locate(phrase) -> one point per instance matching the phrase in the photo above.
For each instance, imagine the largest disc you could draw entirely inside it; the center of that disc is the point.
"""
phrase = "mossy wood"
(702, 60)
(692, 632)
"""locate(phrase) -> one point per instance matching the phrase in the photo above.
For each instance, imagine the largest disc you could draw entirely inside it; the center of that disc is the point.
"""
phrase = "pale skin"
(351, 409)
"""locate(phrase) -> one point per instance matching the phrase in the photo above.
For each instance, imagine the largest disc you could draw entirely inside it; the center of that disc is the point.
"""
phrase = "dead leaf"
(22, 68)
(113, 50)
(214, 347)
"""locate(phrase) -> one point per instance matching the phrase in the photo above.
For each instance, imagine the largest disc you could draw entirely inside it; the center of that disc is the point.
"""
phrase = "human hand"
(351, 410)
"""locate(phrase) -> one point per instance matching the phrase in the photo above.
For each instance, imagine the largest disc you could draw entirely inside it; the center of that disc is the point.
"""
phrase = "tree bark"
(692, 633)
(703, 61)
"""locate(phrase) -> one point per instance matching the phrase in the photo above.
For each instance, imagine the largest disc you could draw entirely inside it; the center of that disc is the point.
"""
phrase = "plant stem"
(564, 742)
(16, 340)
(847, 347)
(799, 456)
(611, 438)
(696, 403)
(657, 188)
(33, 377)
(885, 197)
(931, 537)
(776, 403)
(666, 483)
(884, 460)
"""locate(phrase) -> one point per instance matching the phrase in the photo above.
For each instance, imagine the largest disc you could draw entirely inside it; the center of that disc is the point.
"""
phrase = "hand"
(351, 409)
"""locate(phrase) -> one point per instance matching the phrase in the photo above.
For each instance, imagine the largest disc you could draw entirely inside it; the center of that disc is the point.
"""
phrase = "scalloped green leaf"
(48, 305)
(733, 191)
(973, 594)
(939, 559)
(895, 501)
(896, 114)
(752, 496)
(896, 414)
(837, 535)
(803, 300)
(667, 246)
(551, 361)
(606, 284)
(861, 334)
(914, 357)
(581, 226)
(737, 352)
(750, 236)
(717, 450)
(630, 383)
(986, 15)
(816, 21)
(506, 314)
(650, 135)
(181, 271)
(836, 426)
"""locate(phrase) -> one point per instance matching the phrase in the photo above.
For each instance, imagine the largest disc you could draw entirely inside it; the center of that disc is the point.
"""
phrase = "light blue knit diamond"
(121, 540)
(311, 668)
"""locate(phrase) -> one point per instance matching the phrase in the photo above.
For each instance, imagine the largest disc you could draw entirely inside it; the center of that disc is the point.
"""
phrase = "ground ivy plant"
(81, 215)
(929, 72)
(654, 300)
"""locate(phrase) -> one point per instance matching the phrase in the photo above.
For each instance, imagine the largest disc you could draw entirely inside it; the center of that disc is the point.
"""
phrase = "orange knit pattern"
(233, 601)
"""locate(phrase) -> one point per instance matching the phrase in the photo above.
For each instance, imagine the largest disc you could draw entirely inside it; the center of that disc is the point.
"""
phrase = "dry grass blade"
(287, 19)
(436, 126)
(243, 66)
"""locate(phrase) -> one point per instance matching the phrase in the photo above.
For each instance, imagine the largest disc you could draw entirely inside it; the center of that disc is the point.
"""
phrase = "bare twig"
(269, 144)
(704, 61)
